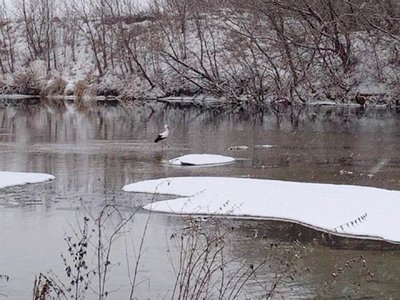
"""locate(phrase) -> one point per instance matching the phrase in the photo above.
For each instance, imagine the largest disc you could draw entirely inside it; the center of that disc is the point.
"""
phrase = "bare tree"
(7, 41)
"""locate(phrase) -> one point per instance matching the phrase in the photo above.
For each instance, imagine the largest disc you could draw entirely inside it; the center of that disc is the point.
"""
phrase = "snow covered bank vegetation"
(261, 51)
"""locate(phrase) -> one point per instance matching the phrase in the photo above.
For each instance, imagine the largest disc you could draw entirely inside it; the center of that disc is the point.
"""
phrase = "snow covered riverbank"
(209, 50)
(357, 211)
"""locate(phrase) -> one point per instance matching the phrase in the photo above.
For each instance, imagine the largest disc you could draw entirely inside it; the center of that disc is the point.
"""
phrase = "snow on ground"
(201, 160)
(16, 97)
(19, 178)
(365, 212)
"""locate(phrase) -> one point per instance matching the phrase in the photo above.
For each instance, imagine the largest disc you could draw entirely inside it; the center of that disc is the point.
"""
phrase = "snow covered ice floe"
(363, 212)
(201, 160)
(240, 147)
(244, 147)
(19, 178)
(263, 146)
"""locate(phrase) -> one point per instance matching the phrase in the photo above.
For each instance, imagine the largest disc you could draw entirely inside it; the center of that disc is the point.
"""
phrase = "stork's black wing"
(158, 138)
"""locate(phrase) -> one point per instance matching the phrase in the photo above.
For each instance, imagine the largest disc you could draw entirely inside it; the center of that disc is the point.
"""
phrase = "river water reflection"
(94, 151)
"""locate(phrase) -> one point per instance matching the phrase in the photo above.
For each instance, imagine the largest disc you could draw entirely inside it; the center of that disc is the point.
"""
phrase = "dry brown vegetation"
(260, 51)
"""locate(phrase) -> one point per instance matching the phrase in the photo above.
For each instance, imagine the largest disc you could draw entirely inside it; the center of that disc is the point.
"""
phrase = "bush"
(55, 87)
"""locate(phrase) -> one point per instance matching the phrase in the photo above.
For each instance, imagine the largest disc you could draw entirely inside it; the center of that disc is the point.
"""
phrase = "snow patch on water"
(8, 179)
(244, 147)
(201, 160)
(356, 211)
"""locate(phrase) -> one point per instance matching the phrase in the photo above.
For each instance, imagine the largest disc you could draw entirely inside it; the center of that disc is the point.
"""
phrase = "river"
(94, 150)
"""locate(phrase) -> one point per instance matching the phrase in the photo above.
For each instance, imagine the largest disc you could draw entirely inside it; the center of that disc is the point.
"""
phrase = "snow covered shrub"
(55, 86)
(27, 84)
(81, 89)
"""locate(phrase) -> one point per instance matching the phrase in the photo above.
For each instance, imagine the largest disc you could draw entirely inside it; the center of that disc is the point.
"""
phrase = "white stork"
(163, 135)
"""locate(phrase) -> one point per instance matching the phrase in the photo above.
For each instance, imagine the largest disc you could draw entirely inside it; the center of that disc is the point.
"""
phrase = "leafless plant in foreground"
(203, 271)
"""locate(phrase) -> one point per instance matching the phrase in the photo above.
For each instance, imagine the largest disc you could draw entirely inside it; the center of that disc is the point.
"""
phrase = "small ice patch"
(244, 147)
(263, 146)
(201, 160)
(19, 178)
(241, 147)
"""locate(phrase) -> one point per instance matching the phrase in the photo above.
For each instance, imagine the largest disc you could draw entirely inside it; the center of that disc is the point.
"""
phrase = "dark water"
(94, 151)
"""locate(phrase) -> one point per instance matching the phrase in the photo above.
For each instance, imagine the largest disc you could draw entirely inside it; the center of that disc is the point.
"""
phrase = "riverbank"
(262, 52)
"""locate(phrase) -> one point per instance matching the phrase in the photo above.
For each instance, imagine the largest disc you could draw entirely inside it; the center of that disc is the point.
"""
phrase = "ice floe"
(364, 212)
(201, 160)
(238, 148)
(244, 147)
(19, 178)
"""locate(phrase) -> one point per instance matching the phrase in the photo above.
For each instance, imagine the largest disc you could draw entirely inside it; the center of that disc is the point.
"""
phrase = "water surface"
(94, 151)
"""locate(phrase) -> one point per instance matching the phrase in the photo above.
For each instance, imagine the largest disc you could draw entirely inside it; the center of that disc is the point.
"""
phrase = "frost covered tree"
(263, 51)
